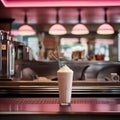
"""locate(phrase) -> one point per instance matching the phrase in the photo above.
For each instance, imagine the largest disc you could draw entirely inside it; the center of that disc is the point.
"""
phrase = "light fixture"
(57, 29)
(26, 30)
(105, 29)
(105, 41)
(79, 29)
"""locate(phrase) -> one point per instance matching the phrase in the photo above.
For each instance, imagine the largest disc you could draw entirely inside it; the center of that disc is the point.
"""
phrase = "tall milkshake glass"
(65, 78)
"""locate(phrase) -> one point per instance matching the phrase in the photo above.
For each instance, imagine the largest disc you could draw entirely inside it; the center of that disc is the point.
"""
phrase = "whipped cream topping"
(65, 68)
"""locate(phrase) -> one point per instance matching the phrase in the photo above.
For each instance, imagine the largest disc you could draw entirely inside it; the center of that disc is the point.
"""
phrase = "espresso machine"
(22, 52)
(7, 56)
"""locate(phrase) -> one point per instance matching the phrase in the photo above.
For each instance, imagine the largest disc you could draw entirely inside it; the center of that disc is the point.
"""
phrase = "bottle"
(11, 57)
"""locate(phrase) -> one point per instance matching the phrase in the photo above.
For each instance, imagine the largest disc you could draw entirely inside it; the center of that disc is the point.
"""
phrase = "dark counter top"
(82, 69)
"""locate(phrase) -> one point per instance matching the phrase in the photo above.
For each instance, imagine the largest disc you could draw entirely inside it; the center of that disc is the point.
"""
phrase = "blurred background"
(41, 16)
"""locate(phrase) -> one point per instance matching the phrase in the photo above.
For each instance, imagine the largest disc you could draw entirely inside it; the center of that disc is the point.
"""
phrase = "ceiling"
(67, 14)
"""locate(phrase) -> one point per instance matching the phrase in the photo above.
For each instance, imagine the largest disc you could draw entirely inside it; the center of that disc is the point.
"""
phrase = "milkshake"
(65, 78)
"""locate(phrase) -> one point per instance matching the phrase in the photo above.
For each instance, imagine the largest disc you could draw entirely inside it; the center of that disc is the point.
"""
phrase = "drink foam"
(65, 68)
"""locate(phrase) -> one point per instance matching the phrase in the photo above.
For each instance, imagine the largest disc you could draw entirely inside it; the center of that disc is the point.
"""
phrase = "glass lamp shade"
(26, 30)
(105, 29)
(57, 29)
(14, 32)
(80, 29)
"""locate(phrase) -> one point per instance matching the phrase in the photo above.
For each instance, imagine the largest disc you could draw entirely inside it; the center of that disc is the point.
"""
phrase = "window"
(70, 45)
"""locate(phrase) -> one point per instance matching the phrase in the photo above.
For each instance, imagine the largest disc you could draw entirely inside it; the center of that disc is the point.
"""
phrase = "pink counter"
(51, 105)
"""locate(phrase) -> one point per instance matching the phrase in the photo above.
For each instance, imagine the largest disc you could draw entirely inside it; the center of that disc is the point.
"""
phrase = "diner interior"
(87, 49)
(38, 37)
(92, 45)
(40, 48)
(86, 39)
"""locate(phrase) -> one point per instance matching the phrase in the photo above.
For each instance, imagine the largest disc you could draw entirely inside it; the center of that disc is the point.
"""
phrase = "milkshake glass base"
(64, 104)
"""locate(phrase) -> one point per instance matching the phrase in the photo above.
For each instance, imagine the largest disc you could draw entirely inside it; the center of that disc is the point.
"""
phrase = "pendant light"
(79, 29)
(26, 30)
(105, 29)
(57, 29)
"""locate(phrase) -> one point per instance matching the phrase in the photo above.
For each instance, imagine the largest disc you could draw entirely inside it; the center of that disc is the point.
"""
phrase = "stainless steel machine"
(7, 56)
